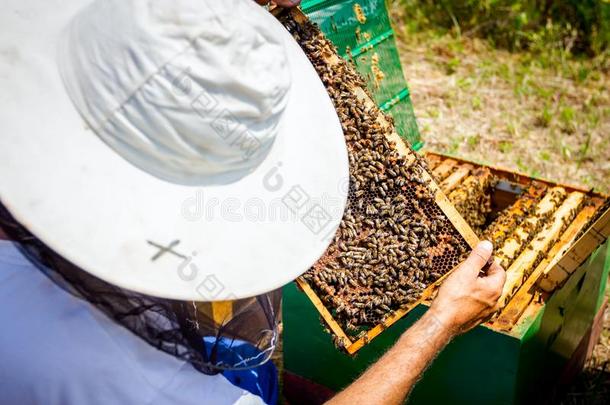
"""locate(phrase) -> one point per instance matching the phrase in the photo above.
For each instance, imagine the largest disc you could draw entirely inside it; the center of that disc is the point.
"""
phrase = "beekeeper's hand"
(465, 299)
(281, 3)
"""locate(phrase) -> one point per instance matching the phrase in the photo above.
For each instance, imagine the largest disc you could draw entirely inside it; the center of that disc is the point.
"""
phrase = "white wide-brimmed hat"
(183, 149)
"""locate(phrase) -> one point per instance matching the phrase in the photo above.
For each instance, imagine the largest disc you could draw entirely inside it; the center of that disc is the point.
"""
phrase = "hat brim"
(112, 219)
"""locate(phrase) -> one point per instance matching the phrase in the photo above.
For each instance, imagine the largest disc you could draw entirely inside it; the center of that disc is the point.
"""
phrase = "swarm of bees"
(393, 240)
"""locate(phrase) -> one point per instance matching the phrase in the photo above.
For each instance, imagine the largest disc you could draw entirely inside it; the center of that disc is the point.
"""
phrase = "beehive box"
(511, 342)
(537, 340)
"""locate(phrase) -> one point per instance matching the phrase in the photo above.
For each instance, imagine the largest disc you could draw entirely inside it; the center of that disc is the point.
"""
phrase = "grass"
(546, 113)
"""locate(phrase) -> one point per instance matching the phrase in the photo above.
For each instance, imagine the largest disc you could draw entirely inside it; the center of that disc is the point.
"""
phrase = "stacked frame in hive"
(543, 231)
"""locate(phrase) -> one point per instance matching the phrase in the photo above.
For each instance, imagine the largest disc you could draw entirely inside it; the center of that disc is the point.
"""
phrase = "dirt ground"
(544, 115)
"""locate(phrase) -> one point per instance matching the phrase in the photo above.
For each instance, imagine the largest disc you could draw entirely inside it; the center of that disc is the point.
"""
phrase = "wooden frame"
(512, 175)
(558, 271)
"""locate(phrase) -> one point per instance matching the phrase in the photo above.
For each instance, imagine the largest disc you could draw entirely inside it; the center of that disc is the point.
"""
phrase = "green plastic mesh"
(367, 39)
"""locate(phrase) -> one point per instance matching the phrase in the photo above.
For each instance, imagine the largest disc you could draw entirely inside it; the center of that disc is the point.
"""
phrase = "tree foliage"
(577, 26)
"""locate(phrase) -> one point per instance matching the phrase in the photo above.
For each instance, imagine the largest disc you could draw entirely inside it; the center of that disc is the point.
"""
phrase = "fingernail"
(486, 245)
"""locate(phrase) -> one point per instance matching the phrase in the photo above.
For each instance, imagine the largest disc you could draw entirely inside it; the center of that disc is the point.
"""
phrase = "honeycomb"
(394, 240)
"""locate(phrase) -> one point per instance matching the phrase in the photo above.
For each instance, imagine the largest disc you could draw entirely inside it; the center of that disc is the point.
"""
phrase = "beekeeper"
(146, 146)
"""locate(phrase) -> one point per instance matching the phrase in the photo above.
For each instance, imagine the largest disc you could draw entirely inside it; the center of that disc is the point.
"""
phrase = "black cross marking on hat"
(165, 249)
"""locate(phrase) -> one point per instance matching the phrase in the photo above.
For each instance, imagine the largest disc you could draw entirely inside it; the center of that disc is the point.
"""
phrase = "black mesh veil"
(211, 336)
